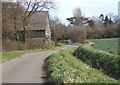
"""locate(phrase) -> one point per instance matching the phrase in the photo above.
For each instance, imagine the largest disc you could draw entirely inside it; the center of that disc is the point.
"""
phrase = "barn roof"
(38, 21)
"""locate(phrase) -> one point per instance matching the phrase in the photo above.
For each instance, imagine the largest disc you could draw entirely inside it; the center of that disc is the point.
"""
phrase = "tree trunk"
(24, 29)
(17, 37)
(16, 34)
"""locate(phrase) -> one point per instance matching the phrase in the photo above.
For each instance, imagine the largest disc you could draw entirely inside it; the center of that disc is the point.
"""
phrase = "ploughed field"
(110, 45)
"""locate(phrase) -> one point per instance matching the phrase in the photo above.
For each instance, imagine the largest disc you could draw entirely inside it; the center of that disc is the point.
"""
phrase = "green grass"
(62, 67)
(6, 56)
(109, 45)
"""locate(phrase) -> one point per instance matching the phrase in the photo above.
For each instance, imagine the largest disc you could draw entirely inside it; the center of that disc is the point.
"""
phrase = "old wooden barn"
(38, 30)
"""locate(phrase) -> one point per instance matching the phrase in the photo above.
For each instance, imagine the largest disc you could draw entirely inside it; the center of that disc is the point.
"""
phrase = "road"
(26, 69)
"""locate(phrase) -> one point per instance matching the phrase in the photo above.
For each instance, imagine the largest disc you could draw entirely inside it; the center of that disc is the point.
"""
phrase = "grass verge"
(6, 56)
(62, 67)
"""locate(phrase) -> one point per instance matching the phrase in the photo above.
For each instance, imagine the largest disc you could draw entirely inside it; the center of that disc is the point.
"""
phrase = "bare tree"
(57, 29)
(78, 18)
(113, 17)
(31, 7)
(11, 14)
(54, 22)
(17, 16)
(77, 12)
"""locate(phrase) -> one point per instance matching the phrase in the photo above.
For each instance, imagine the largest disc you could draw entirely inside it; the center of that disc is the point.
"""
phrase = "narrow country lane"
(26, 69)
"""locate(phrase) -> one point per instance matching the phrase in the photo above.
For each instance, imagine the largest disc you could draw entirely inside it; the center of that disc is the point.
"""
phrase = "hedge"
(107, 62)
(62, 67)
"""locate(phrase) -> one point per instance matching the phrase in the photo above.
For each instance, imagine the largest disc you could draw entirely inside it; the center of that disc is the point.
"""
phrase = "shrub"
(77, 34)
(10, 45)
(50, 44)
(65, 42)
(105, 61)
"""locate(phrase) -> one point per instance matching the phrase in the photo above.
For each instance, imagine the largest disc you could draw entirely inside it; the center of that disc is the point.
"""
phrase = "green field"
(109, 45)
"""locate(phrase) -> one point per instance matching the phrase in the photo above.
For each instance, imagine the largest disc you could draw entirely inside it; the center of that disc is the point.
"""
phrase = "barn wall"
(35, 34)
(36, 42)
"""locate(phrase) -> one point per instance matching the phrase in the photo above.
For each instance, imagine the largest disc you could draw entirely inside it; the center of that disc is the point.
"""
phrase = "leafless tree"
(77, 12)
(11, 15)
(113, 17)
(57, 29)
(54, 22)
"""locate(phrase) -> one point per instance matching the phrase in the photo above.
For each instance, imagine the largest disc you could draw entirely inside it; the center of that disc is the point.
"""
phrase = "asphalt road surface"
(26, 69)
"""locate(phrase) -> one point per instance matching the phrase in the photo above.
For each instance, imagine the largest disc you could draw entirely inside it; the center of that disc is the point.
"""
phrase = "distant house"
(37, 30)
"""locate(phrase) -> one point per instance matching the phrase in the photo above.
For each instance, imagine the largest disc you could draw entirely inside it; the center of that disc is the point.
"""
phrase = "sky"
(64, 8)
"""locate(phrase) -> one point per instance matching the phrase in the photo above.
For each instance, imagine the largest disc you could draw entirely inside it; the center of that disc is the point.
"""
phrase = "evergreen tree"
(91, 23)
(101, 18)
(110, 21)
(106, 21)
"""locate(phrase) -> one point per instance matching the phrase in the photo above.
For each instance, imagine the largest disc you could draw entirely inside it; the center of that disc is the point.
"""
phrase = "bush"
(62, 67)
(65, 42)
(50, 44)
(77, 34)
(10, 45)
(105, 61)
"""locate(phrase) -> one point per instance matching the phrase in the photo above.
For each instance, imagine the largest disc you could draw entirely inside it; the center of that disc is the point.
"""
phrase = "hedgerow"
(102, 60)
(62, 67)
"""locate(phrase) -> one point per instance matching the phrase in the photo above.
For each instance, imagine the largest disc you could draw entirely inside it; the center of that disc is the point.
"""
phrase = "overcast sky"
(89, 7)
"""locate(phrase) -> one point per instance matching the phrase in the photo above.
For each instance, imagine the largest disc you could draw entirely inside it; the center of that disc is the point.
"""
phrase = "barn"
(38, 30)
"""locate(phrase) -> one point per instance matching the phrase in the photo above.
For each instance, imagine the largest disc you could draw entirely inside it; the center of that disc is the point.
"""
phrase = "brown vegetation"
(76, 34)
(100, 31)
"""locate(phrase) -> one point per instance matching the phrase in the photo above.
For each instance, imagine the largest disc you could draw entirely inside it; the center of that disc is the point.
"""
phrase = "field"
(109, 45)
(63, 67)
